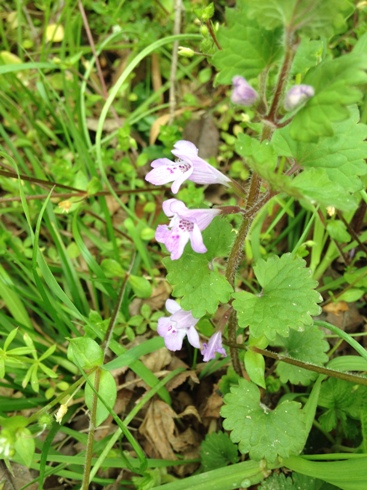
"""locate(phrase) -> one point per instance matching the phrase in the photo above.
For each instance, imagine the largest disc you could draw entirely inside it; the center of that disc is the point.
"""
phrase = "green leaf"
(295, 482)
(338, 231)
(288, 289)
(329, 104)
(247, 48)
(85, 353)
(112, 268)
(24, 446)
(255, 367)
(307, 346)
(108, 392)
(342, 399)
(340, 160)
(315, 186)
(308, 54)
(192, 276)
(141, 286)
(310, 17)
(217, 450)
(357, 277)
(277, 482)
(261, 432)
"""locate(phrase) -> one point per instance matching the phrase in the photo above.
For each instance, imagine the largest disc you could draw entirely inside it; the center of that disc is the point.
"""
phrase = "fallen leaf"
(158, 427)
(336, 308)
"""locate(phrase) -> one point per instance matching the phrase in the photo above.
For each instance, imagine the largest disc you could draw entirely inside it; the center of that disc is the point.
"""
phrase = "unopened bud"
(186, 52)
(60, 413)
(297, 95)
(243, 93)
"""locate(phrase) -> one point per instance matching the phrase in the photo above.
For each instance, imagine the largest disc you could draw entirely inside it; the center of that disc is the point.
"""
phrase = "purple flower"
(296, 95)
(185, 225)
(174, 328)
(214, 345)
(243, 93)
(189, 166)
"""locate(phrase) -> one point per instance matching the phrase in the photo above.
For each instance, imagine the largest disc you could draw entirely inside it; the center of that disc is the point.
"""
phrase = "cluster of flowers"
(186, 224)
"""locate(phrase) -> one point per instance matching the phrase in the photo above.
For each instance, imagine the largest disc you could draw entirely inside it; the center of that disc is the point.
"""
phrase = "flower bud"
(297, 95)
(243, 93)
(186, 52)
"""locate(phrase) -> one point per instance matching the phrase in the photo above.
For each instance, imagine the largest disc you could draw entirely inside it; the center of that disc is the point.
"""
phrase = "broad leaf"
(261, 432)
(85, 353)
(307, 346)
(342, 399)
(287, 299)
(329, 104)
(108, 392)
(217, 450)
(247, 48)
(341, 155)
(313, 18)
(192, 276)
(24, 446)
(294, 482)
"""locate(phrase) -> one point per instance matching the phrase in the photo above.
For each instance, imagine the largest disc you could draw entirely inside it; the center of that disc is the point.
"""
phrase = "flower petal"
(162, 233)
(174, 338)
(196, 240)
(164, 323)
(174, 206)
(202, 217)
(193, 337)
(172, 306)
(214, 345)
(184, 148)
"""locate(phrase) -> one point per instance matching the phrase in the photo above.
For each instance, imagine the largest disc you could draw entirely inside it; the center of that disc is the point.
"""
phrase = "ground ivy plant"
(304, 139)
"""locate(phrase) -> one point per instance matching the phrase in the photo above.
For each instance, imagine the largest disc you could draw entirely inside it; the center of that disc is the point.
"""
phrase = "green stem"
(353, 378)
(92, 429)
(350, 340)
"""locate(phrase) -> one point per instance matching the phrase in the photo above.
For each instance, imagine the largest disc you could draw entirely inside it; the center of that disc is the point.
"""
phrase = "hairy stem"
(254, 192)
(283, 76)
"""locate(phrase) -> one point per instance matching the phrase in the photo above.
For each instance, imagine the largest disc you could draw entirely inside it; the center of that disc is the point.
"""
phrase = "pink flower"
(175, 327)
(185, 225)
(189, 166)
(214, 345)
(243, 93)
(296, 95)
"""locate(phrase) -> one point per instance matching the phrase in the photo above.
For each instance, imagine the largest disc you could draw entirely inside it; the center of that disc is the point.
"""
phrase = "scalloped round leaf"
(308, 346)
(287, 299)
(259, 431)
(217, 450)
(314, 19)
(192, 278)
(242, 35)
(200, 288)
(329, 104)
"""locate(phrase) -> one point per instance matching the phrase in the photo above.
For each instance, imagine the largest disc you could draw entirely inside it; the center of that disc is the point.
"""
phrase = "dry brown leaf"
(158, 427)
(336, 308)
(17, 478)
(213, 405)
(190, 410)
(181, 378)
(347, 317)
(187, 440)
(157, 360)
(204, 134)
